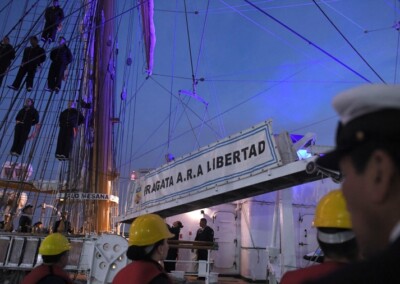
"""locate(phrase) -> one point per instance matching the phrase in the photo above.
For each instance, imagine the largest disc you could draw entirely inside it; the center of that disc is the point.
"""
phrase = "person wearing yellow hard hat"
(335, 238)
(54, 250)
(148, 246)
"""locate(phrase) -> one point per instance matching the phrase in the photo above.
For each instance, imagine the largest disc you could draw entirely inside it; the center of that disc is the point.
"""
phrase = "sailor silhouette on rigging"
(69, 121)
(60, 56)
(26, 117)
(7, 54)
(33, 57)
(53, 18)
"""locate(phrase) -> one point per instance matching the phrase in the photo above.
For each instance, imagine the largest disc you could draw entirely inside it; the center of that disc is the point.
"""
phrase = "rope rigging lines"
(39, 152)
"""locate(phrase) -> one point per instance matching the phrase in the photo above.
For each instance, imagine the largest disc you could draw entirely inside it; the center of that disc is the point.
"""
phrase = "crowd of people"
(26, 225)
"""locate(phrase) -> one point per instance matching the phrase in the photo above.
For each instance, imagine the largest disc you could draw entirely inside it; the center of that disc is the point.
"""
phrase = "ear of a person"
(382, 171)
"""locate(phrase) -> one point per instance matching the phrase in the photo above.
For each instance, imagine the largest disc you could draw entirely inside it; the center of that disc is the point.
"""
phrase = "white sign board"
(224, 161)
(88, 196)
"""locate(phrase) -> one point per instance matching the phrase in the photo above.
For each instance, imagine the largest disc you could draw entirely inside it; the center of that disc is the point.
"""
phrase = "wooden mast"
(102, 162)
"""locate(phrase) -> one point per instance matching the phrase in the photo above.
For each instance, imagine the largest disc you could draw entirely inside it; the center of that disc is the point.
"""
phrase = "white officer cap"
(368, 113)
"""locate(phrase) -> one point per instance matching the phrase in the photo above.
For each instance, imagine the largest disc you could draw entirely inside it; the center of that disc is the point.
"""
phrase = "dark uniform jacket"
(54, 15)
(25, 223)
(61, 55)
(204, 235)
(29, 116)
(7, 54)
(33, 56)
(71, 117)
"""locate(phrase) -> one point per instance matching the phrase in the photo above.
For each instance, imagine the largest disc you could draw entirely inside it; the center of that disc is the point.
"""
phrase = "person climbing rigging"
(53, 15)
(33, 57)
(60, 56)
(26, 117)
(7, 54)
(69, 121)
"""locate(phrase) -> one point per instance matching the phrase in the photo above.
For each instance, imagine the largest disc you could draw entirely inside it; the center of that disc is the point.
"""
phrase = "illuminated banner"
(88, 196)
(222, 162)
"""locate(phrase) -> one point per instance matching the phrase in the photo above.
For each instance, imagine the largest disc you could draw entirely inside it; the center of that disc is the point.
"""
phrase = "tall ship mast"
(102, 163)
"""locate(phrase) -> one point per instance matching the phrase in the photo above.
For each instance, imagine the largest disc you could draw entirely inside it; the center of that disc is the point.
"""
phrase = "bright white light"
(303, 154)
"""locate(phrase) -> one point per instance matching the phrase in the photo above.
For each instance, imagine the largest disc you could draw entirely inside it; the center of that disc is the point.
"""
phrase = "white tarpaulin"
(216, 164)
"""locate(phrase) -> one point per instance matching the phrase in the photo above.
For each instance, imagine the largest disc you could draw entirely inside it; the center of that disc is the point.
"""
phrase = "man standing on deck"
(173, 252)
(63, 226)
(25, 221)
(204, 234)
(60, 56)
(26, 118)
(53, 16)
(69, 121)
(33, 57)
(7, 54)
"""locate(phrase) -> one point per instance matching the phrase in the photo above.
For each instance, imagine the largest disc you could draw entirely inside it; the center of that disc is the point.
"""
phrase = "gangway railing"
(203, 265)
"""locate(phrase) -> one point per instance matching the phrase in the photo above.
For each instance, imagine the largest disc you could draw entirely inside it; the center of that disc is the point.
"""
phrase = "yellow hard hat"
(331, 212)
(147, 230)
(54, 244)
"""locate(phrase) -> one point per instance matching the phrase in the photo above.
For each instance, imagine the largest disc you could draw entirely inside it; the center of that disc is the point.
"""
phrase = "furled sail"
(149, 32)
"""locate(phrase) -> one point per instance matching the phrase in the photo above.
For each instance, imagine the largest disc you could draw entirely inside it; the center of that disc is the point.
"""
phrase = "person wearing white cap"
(367, 154)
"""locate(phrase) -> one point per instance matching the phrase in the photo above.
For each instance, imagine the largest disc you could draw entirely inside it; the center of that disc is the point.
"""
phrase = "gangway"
(250, 163)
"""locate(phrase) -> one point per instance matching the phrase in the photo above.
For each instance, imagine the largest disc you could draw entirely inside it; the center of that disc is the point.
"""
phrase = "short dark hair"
(139, 252)
(203, 220)
(49, 259)
(26, 207)
(347, 250)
